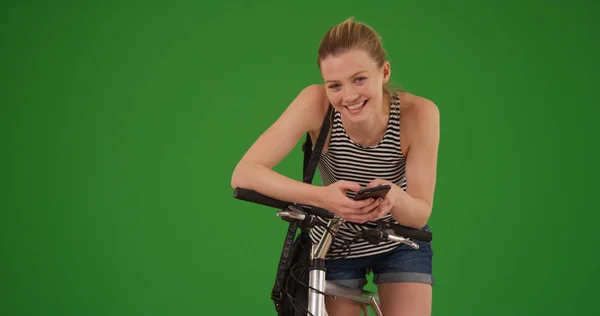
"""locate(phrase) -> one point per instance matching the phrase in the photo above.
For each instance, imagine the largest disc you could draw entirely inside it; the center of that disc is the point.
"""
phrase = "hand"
(386, 204)
(335, 200)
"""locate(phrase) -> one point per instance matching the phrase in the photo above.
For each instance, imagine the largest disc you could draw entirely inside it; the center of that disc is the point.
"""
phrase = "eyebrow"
(353, 75)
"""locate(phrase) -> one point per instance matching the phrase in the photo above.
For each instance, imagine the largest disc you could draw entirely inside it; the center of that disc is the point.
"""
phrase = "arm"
(254, 170)
(413, 207)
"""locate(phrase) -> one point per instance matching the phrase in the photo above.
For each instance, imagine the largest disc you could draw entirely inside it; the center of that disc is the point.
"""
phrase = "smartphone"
(375, 193)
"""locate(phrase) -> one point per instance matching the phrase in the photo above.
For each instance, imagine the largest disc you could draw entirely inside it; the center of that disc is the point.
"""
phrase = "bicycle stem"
(316, 300)
(320, 250)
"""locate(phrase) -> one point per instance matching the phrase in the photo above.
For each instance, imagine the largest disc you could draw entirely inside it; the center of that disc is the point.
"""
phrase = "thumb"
(348, 185)
(373, 183)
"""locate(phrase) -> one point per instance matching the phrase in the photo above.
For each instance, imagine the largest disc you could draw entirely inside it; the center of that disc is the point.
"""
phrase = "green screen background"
(121, 122)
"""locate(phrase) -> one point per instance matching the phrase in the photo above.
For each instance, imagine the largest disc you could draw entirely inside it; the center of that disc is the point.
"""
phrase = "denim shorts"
(401, 264)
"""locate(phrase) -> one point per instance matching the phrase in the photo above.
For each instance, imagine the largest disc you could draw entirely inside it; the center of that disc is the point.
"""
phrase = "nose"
(350, 95)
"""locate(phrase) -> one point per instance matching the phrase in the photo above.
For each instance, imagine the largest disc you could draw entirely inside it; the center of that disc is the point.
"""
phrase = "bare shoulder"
(312, 102)
(419, 120)
(417, 109)
(317, 93)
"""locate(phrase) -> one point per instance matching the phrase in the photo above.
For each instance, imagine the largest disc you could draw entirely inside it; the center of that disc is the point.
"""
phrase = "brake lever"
(305, 221)
(292, 213)
(392, 236)
(287, 215)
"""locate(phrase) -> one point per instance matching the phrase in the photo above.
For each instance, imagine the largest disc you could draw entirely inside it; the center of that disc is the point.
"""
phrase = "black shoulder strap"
(285, 261)
(311, 156)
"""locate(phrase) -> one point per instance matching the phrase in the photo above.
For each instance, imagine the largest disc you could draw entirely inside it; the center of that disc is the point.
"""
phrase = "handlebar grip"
(412, 233)
(258, 198)
(255, 197)
(323, 213)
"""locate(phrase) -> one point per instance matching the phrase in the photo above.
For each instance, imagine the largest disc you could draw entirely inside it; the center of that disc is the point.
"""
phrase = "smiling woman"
(379, 136)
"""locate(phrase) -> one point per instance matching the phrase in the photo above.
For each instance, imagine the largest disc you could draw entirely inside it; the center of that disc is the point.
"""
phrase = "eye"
(334, 86)
(360, 79)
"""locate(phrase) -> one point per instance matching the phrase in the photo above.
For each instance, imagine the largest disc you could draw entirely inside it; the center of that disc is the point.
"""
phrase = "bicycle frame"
(318, 284)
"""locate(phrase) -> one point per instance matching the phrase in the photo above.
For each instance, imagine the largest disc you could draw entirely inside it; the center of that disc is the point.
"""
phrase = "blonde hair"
(349, 35)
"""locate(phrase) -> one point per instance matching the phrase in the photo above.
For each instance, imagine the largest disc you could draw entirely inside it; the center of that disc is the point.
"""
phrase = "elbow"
(416, 223)
(419, 217)
(420, 224)
(422, 220)
(234, 182)
(238, 176)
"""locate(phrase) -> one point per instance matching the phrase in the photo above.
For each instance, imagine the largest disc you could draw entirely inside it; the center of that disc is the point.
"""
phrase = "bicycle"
(318, 287)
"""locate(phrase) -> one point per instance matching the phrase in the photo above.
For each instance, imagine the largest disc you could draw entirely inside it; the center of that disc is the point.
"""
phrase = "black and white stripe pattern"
(346, 160)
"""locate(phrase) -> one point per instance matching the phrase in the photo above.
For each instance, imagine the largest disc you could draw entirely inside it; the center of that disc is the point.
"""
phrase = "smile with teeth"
(357, 105)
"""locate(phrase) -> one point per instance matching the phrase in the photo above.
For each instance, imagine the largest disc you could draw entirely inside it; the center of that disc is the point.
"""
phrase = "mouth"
(355, 108)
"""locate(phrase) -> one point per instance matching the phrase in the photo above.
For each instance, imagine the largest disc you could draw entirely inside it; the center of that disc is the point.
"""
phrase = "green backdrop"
(121, 122)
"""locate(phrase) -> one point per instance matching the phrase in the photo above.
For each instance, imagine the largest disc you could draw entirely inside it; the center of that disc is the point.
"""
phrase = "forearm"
(270, 183)
(409, 211)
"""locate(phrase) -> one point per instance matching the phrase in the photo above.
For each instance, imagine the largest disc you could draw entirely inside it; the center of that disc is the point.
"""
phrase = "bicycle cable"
(306, 263)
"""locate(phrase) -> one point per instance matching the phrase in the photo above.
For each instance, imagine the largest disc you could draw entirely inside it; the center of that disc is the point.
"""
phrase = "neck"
(370, 132)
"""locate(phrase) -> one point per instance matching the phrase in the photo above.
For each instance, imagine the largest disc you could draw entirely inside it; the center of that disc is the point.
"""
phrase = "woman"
(379, 136)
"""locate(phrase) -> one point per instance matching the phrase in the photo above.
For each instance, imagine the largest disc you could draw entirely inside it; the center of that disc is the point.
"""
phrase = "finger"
(349, 211)
(383, 211)
(371, 207)
(386, 203)
(375, 183)
(377, 203)
(372, 184)
(373, 215)
(383, 208)
(363, 207)
(360, 204)
(349, 186)
(361, 218)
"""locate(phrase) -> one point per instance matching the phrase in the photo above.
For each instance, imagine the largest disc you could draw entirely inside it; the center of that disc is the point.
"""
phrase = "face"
(354, 82)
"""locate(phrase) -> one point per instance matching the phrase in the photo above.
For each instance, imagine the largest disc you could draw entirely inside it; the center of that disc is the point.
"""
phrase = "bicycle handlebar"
(258, 198)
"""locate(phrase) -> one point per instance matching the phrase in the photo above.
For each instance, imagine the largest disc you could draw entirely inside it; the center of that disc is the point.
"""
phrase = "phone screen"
(375, 193)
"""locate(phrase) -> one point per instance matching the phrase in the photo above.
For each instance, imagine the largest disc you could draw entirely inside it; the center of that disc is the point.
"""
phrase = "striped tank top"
(346, 160)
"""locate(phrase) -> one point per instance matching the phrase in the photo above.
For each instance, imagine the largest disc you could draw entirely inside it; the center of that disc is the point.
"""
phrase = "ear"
(387, 71)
